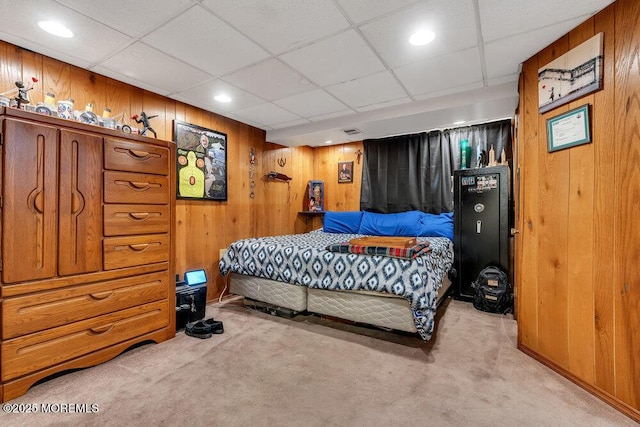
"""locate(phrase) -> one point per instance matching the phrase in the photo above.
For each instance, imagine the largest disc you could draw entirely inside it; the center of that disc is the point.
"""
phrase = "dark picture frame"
(201, 162)
(569, 129)
(345, 172)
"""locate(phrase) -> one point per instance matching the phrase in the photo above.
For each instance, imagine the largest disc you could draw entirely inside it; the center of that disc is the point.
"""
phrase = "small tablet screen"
(195, 277)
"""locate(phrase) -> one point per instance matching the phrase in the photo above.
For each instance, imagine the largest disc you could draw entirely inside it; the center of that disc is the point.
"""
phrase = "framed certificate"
(569, 129)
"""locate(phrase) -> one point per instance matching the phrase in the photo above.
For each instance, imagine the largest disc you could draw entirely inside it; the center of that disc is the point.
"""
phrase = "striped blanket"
(403, 253)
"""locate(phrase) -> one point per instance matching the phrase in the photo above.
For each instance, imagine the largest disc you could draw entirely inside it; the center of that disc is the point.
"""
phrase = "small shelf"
(311, 213)
(308, 215)
(277, 176)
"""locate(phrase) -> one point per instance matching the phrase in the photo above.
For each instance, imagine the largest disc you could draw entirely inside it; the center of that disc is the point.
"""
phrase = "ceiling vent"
(352, 131)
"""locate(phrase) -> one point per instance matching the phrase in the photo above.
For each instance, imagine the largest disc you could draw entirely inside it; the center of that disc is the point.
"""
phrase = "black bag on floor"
(492, 291)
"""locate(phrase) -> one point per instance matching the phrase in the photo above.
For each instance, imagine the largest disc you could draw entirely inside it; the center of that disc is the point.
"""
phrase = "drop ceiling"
(306, 70)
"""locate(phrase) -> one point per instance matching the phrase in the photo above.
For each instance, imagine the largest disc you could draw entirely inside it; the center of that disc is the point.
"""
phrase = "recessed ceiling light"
(459, 122)
(422, 37)
(56, 29)
(328, 141)
(222, 98)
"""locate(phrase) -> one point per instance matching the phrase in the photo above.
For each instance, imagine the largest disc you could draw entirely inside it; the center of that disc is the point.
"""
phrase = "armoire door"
(80, 210)
(29, 201)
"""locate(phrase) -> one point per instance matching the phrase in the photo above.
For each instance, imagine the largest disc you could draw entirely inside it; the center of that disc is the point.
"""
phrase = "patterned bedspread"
(302, 259)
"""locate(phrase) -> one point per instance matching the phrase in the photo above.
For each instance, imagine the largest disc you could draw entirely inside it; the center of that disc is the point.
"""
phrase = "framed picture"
(569, 129)
(572, 75)
(345, 172)
(316, 195)
(201, 159)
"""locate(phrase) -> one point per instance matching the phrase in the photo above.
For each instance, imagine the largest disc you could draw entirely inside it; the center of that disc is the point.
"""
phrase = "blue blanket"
(302, 259)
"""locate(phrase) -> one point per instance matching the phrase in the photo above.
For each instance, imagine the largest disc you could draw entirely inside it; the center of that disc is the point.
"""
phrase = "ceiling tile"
(442, 73)
(382, 105)
(452, 21)
(290, 124)
(87, 33)
(505, 18)
(200, 39)
(124, 15)
(334, 60)
(266, 114)
(204, 93)
(363, 10)
(314, 103)
(247, 121)
(503, 56)
(270, 79)
(327, 116)
(507, 78)
(369, 90)
(445, 92)
(133, 81)
(281, 25)
(146, 64)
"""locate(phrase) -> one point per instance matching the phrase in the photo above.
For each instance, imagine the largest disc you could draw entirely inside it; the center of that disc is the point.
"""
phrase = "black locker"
(481, 224)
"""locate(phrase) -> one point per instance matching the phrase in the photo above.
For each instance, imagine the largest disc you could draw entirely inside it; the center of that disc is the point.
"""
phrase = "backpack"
(492, 291)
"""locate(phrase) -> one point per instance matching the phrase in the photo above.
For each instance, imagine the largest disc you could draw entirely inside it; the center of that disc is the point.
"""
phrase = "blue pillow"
(396, 224)
(440, 225)
(409, 223)
(342, 222)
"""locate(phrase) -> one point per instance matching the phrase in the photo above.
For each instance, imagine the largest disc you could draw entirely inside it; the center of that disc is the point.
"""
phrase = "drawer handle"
(101, 329)
(101, 295)
(136, 154)
(140, 155)
(138, 185)
(139, 216)
(140, 247)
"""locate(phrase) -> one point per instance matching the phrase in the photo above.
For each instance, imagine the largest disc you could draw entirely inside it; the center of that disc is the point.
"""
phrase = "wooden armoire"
(86, 253)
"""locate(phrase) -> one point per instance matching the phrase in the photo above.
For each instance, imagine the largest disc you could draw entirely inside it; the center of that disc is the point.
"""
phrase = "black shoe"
(198, 329)
(215, 325)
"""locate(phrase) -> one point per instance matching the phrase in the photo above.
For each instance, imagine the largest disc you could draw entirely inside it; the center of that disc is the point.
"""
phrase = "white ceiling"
(306, 70)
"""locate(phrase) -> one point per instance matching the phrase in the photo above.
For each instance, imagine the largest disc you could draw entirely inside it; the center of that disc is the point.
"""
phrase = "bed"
(319, 272)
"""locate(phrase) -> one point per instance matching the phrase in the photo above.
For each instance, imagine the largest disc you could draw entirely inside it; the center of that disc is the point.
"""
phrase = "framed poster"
(201, 159)
(316, 195)
(345, 172)
(569, 129)
(572, 75)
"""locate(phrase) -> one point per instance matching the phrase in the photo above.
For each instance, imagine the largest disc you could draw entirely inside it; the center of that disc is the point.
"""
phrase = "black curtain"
(414, 172)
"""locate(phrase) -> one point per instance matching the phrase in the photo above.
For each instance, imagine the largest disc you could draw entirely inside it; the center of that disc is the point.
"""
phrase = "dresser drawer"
(36, 312)
(128, 187)
(135, 157)
(119, 252)
(122, 220)
(30, 353)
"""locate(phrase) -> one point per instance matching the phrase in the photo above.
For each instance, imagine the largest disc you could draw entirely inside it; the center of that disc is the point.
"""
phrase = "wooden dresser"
(86, 255)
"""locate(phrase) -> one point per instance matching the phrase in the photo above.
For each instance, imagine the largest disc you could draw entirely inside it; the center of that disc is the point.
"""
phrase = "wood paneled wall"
(203, 228)
(578, 281)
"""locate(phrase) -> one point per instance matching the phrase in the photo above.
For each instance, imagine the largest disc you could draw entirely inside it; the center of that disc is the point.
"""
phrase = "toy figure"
(144, 119)
(23, 92)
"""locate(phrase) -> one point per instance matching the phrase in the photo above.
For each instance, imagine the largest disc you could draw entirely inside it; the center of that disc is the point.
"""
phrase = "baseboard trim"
(613, 401)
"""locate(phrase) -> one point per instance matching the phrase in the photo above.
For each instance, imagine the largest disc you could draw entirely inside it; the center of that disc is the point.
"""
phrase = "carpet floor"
(308, 371)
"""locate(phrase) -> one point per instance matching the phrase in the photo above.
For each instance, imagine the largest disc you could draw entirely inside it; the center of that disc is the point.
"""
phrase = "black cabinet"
(481, 224)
